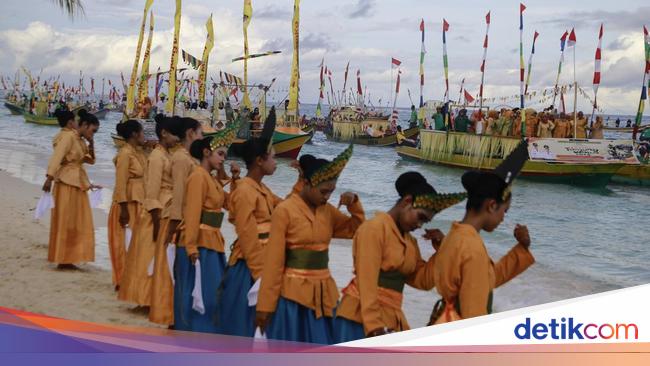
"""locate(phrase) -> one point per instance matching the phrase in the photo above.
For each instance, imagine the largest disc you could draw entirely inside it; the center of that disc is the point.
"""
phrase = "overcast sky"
(36, 34)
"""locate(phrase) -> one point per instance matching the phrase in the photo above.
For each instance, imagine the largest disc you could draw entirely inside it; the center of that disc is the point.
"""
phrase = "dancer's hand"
(436, 236)
(262, 320)
(47, 186)
(347, 199)
(522, 236)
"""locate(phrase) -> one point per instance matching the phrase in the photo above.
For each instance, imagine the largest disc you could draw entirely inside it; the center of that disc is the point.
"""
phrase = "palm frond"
(72, 7)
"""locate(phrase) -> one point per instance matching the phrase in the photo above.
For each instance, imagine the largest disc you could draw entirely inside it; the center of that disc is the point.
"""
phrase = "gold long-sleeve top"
(182, 165)
(204, 197)
(158, 181)
(130, 163)
(465, 274)
(384, 260)
(296, 261)
(69, 155)
(251, 205)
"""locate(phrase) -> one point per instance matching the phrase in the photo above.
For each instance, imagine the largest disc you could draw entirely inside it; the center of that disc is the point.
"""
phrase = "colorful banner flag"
(530, 62)
(559, 68)
(423, 51)
(203, 71)
(248, 14)
(522, 7)
(294, 88)
(194, 62)
(485, 48)
(345, 82)
(395, 115)
(171, 98)
(646, 82)
(445, 28)
(460, 93)
(596, 81)
(329, 76)
(395, 62)
(319, 112)
(469, 99)
(143, 86)
(572, 38)
(130, 95)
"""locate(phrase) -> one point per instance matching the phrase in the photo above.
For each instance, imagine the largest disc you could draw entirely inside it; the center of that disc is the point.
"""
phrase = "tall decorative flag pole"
(572, 44)
(203, 69)
(359, 92)
(143, 85)
(171, 98)
(460, 93)
(597, 72)
(646, 82)
(248, 14)
(530, 63)
(522, 112)
(559, 68)
(329, 76)
(485, 48)
(423, 51)
(319, 112)
(294, 89)
(394, 116)
(130, 95)
(445, 28)
(345, 82)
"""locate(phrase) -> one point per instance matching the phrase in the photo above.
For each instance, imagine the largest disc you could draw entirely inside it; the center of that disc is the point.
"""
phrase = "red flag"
(395, 62)
(468, 97)
(445, 25)
(422, 26)
(522, 7)
(487, 18)
(572, 38)
(535, 36)
(397, 87)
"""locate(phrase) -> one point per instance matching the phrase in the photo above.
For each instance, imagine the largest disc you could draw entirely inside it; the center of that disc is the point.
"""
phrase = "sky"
(367, 33)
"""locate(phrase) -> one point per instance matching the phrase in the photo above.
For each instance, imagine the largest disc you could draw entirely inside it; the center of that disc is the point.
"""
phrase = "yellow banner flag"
(143, 87)
(171, 98)
(292, 109)
(248, 14)
(130, 95)
(203, 70)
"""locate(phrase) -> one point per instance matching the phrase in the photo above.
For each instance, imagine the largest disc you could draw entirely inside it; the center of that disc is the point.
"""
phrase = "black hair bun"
(470, 180)
(407, 181)
(121, 129)
(306, 160)
(82, 113)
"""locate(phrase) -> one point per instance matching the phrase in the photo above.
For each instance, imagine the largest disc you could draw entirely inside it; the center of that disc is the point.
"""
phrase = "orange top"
(182, 165)
(294, 226)
(66, 163)
(251, 205)
(158, 181)
(203, 194)
(380, 246)
(465, 273)
(129, 163)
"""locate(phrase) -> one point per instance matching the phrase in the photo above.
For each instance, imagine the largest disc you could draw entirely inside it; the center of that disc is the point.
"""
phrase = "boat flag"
(319, 112)
(130, 96)
(596, 80)
(462, 87)
(191, 60)
(143, 85)
(522, 113)
(203, 69)
(395, 115)
(423, 51)
(485, 48)
(395, 62)
(445, 28)
(171, 98)
(294, 88)
(248, 14)
(345, 81)
(469, 99)
(530, 63)
(572, 38)
(559, 68)
(646, 82)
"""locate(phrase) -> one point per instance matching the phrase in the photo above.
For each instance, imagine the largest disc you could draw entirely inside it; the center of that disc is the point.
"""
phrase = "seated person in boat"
(402, 140)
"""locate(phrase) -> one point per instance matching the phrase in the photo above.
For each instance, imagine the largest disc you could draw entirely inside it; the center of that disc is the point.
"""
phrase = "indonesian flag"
(572, 38)
(468, 97)
(445, 25)
(395, 62)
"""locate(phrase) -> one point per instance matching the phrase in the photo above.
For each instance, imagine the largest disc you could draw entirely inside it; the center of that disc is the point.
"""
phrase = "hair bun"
(470, 180)
(407, 180)
(82, 113)
(306, 160)
(120, 128)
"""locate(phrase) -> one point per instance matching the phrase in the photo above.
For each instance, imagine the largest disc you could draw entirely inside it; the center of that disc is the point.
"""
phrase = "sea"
(584, 240)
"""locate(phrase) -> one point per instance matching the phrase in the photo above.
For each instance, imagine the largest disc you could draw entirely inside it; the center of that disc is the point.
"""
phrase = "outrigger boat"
(465, 151)
(15, 109)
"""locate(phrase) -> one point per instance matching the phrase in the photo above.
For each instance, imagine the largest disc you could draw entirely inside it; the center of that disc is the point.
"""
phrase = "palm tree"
(72, 7)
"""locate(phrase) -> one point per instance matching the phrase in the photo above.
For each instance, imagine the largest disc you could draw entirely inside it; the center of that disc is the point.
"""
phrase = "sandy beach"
(30, 283)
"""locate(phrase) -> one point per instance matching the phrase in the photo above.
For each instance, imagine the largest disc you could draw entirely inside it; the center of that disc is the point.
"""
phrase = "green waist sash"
(392, 280)
(213, 219)
(306, 259)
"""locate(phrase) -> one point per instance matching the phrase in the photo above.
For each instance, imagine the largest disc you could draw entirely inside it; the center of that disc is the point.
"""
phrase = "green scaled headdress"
(225, 137)
(333, 169)
(437, 202)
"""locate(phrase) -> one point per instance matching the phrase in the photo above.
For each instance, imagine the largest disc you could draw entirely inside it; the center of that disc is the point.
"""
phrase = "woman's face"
(320, 194)
(496, 212)
(409, 218)
(217, 157)
(88, 131)
(138, 137)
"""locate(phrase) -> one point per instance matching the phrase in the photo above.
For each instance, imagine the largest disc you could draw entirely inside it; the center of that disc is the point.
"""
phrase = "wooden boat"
(15, 109)
(100, 113)
(625, 129)
(388, 140)
(41, 120)
(490, 154)
(637, 174)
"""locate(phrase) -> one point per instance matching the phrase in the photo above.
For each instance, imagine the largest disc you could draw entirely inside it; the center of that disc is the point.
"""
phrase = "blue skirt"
(236, 317)
(294, 322)
(346, 330)
(212, 268)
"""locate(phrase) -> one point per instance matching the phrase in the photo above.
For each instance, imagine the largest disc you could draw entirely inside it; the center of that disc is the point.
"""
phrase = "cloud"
(308, 42)
(363, 8)
(618, 20)
(272, 12)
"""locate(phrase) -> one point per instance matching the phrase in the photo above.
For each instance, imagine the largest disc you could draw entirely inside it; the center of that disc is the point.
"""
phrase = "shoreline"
(30, 283)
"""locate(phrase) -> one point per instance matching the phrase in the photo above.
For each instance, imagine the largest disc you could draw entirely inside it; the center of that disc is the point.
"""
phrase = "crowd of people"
(508, 122)
(168, 254)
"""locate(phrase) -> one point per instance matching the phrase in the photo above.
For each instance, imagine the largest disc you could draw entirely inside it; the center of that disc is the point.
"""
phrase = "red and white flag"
(572, 38)
(469, 99)
(395, 62)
